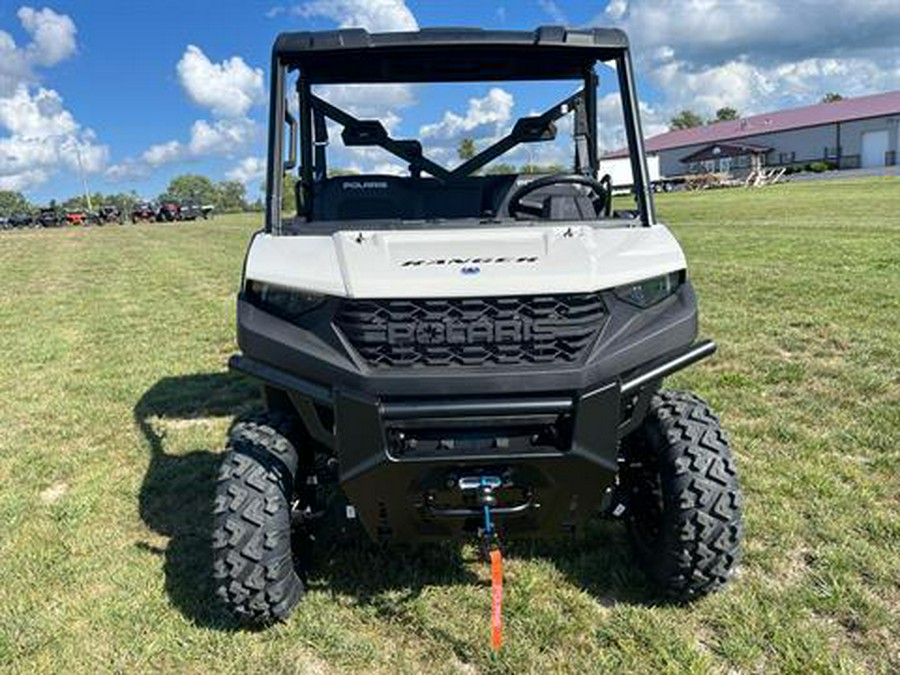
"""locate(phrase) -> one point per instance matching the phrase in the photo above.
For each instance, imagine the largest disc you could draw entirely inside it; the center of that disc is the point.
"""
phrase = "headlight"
(287, 303)
(648, 292)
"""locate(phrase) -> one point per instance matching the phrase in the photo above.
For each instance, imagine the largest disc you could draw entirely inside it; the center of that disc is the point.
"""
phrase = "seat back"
(382, 197)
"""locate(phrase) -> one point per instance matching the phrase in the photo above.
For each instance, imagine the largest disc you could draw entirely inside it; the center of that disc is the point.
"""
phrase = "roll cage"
(440, 55)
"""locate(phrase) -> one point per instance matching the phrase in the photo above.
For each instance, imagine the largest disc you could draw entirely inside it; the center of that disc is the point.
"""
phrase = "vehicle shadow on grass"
(176, 501)
(176, 498)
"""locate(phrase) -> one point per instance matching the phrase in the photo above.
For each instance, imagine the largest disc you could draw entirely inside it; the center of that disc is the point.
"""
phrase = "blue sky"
(143, 91)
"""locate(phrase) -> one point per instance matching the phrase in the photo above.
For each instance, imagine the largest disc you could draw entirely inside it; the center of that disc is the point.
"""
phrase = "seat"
(384, 197)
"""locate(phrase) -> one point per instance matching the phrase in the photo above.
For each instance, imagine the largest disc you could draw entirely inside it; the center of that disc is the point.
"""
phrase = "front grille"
(509, 331)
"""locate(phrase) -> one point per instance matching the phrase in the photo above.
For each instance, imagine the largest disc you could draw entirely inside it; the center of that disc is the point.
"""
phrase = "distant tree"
(686, 119)
(831, 97)
(75, 203)
(466, 149)
(334, 173)
(229, 195)
(125, 201)
(79, 203)
(541, 168)
(192, 187)
(13, 202)
(726, 113)
(288, 194)
(497, 169)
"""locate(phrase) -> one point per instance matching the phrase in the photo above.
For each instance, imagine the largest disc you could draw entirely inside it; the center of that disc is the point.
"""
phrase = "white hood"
(465, 262)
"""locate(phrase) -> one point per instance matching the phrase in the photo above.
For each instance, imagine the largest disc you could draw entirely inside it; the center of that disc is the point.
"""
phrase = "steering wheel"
(516, 206)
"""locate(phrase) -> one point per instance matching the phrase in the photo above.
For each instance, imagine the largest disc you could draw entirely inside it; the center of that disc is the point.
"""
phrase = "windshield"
(469, 152)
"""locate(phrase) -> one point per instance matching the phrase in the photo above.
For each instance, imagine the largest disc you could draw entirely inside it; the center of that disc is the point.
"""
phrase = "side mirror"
(534, 129)
(364, 132)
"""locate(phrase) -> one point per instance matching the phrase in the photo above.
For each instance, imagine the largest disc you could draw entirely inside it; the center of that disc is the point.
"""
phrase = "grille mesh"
(507, 331)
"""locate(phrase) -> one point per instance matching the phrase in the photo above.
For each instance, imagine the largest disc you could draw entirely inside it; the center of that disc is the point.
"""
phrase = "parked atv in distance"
(144, 212)
(168, 212)
(51, 216)
(452, 354)
(18, 220)
(191, 211)
(77, 217)
(109, 213)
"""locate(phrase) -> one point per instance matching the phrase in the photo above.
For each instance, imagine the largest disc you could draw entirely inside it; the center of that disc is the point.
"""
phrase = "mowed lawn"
(115, 401)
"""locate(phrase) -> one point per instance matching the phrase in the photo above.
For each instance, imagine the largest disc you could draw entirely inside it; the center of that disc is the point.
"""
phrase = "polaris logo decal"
(485, 331)
(470, 262)
(365, 185)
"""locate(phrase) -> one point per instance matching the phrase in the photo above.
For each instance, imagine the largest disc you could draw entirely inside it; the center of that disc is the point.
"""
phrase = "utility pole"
(84, 186)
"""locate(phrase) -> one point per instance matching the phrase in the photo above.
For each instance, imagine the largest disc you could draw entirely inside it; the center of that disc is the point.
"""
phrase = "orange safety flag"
(496, 599)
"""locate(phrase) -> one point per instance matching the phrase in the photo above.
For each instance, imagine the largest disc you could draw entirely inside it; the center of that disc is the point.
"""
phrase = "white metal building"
(851, 133)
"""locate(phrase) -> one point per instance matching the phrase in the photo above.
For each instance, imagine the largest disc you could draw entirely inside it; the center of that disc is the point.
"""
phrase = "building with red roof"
(849, 133)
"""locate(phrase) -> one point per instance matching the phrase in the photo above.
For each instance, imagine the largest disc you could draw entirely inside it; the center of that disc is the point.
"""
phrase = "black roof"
(447, 54)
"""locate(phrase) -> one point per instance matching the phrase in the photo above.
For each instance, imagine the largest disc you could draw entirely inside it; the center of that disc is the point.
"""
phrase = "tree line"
(225, 195)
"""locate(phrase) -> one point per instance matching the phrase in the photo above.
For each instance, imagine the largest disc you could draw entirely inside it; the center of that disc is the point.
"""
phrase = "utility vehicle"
(50, 216)
(78, 217)
(452, 353)
(143, 212)
(22, 219)
(192, 210)
(109, 213)
(168, 212)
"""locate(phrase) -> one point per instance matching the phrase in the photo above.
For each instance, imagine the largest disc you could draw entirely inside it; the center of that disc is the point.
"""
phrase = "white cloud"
(368, 100)
(229, 88)
(222, 137)
(23, 180)
(15, 68)
(753, 88)
(163, 153)
(734, 83)
(249, 171)
(616, 9)
(611, 126)
(52, 40)
(52, 34)
(553, 10)
(390, 169)
(712, 31)
(127, 170)
(373, 15)
(39, 116)
(43, 138)
(493, 109)
(758, 55)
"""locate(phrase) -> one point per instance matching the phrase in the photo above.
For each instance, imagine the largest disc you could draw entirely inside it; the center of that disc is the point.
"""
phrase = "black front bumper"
(401, 460)
(401, 463)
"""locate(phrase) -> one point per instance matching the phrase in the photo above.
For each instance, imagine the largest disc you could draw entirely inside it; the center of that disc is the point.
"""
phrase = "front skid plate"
(401, 498)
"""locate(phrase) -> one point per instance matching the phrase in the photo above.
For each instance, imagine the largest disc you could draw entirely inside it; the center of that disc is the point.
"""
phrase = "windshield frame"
(303, 136)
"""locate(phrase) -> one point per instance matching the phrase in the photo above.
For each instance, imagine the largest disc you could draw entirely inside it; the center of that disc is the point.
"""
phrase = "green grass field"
(114, 403)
